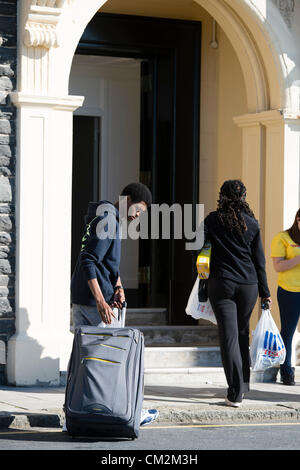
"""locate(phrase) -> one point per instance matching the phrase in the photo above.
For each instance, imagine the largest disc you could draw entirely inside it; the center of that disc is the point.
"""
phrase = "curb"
(51, 419)
(177, 416)
(228, 416)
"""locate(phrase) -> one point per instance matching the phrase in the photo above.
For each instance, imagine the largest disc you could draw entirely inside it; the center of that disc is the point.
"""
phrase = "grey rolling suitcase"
(105, 382)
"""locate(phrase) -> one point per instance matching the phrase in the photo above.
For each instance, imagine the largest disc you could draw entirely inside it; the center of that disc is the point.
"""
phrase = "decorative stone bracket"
(287, 9)
(40, 27)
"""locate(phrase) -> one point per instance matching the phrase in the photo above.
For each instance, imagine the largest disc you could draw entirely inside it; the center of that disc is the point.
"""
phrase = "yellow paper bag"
(203, 261)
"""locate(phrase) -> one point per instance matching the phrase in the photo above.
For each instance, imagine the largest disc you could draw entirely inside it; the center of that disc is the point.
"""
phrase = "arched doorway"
(49, 36)
(163, 56)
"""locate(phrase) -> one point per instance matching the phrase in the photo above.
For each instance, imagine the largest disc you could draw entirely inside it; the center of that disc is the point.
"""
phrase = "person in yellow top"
(285, 251)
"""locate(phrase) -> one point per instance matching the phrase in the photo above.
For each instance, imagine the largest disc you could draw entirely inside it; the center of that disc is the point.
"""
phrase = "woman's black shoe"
(288, 377)
(288, 380)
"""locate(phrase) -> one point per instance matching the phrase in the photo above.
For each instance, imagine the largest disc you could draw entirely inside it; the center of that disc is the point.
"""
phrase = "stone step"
(181, 357)
(146, 316)
(180, 336)
(184, 376)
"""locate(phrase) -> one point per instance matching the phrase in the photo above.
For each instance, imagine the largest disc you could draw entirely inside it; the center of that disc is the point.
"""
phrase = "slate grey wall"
(8, 69)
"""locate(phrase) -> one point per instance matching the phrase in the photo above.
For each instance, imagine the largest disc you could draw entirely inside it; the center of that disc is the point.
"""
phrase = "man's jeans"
(87, 315)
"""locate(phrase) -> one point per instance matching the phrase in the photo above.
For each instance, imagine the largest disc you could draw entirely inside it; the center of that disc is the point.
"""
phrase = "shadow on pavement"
(185, 394)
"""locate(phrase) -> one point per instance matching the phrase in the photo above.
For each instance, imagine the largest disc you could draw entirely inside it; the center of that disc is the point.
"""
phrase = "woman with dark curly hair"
(237, 277)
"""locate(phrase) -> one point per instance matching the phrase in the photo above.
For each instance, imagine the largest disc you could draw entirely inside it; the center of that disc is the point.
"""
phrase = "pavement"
(182, 402)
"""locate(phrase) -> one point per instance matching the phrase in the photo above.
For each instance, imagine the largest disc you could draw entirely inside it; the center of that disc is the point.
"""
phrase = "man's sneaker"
(235, 404)
(148, 416)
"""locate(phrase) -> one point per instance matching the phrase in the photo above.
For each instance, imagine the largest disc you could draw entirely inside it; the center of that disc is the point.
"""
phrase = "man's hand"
(119, 297)
(105, 311)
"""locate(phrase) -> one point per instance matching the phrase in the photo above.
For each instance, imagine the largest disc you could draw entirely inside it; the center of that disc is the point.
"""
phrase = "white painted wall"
(111, 87)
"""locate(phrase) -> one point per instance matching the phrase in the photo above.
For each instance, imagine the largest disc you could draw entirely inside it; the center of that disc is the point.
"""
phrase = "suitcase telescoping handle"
(122, 314)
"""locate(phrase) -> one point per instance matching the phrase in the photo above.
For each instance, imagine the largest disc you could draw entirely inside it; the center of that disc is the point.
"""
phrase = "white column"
(49, 32)
(41, 345)
(253, 139)
(291, 196)
(252, 173)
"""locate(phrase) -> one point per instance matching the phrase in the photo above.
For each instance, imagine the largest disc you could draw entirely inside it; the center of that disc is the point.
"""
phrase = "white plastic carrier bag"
(198, 309)
(267, 348)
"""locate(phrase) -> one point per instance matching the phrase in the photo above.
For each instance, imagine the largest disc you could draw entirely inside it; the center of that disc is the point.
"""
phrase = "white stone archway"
(48, 35)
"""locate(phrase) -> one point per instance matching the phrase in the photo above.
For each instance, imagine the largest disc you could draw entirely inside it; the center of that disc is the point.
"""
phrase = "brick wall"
(8, 68)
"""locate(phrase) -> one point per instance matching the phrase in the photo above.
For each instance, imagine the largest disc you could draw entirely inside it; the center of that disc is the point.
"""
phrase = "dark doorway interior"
(169, 153)
(85, 187)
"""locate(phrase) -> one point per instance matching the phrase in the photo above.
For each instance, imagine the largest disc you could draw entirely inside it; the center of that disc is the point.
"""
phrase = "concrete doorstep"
(181, 403)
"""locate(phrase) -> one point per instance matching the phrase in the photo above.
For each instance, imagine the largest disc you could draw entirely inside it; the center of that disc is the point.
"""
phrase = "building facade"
(246, 124)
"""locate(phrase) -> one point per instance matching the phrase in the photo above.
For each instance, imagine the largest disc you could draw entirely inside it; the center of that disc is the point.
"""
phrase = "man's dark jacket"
(100, 254)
